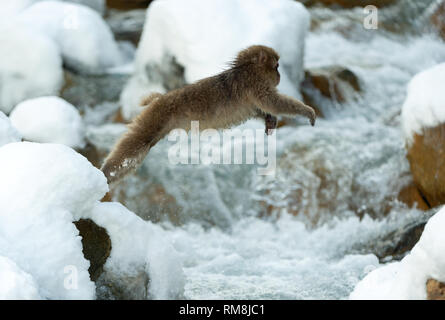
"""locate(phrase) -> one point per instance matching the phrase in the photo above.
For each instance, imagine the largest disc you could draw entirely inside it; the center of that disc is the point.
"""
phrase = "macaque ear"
(262, 57)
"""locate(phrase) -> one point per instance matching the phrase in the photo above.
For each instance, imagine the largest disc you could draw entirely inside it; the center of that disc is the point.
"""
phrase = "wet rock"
(123, 287)
(438, 19)
(128, 4)
(348, 3)
(334, 83)
(395, 244)
(149, 199)
(412, 197)
(92, 154)
(98, 5)
(91, 90)
(435, 290)
(96, 245)
(127, 25)
(426, 156)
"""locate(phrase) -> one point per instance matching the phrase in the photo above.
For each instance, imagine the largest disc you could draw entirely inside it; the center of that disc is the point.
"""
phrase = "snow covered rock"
(10, 8)
(423, 120)
(8, 133)
(44, 188)
(16, 284)
(84, 39)
(203, 36)
(407, 279)
(30, 65)
(49, 119)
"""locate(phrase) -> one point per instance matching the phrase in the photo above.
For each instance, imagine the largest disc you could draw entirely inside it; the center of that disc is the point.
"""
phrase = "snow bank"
(85, 40)
(407, 279)
(424, 106)
(30, 66)
(49, 119)
(15, 283)
(41, 186)
(139, 244)
(8, 133)
(203, 36)
(9, 8)
(44, 188)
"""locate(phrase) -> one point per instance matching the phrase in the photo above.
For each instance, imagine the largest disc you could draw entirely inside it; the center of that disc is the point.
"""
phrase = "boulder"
(127, 4)
(348, 3)
(435, 290)
(423, 122)
(81, 89)
(438, 19)
(335, 83)
(427, 160)
(127, 25)
(96, 245)
(411, 196)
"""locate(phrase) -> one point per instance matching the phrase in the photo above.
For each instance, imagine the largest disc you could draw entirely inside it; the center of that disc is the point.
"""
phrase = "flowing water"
(295, 236)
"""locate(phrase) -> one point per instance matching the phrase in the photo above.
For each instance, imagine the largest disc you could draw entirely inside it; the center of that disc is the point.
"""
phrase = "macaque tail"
(129, 152)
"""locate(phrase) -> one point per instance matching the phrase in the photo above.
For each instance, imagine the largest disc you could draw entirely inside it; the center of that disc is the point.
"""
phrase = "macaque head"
(264, 59)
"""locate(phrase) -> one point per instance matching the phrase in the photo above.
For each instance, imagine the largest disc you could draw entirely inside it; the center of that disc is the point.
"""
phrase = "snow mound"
(41, 186)
(85, 40)
(49, 119)
(11, 8)
(44, 188)
(203, 36)
(8, 133)
(30, 66)
(424, 106)
(139, 244)
(407, 279)
(15, 283)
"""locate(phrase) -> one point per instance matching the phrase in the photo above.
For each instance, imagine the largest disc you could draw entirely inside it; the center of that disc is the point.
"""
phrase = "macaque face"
(275, 74)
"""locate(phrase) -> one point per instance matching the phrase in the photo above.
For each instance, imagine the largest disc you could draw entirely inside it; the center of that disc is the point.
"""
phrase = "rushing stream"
(310, 231)
(360, 146)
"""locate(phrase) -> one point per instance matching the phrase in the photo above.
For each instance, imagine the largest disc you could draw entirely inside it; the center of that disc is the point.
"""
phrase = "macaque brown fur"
(246, 90)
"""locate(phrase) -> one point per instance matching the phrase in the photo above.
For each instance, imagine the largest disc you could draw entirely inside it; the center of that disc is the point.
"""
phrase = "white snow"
(8, 133)
(44, 188)
(9, 8)
(204, 36)
(424, 106)
(137, 243)
(30, 66)
(16, 284)
(407, 279)
(84, 39)
(49, 119)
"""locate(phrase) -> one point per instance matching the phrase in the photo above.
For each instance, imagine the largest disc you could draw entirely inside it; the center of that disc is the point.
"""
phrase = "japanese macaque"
(246, 90)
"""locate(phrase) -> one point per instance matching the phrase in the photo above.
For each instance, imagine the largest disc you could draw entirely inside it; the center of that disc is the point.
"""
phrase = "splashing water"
(244, 236)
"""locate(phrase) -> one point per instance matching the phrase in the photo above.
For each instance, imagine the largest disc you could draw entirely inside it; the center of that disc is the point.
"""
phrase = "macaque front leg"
(278, 104)
(269, 120)
(271, 123)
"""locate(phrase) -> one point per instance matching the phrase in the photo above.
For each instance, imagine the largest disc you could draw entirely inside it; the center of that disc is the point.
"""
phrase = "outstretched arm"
(270, 101)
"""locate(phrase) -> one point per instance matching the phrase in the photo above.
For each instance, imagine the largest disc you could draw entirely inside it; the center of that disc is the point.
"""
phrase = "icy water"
(360, 144)
(236, 234)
